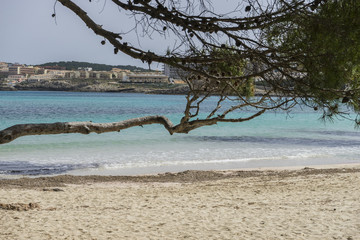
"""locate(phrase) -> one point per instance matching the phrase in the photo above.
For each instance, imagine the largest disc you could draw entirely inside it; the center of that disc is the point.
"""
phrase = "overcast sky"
(29, 34)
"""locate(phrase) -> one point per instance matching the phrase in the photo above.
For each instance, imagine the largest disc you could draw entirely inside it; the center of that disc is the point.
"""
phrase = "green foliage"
(325, 44)
(230, 66)
(334, 35)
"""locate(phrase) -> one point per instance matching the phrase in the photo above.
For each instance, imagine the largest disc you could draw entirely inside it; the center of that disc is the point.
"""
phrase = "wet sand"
(309, 203)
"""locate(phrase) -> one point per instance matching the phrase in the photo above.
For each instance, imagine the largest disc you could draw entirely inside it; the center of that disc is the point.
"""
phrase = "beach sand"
(268, 204)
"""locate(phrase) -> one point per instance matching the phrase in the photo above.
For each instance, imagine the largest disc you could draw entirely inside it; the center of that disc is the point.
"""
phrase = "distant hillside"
(95, 66)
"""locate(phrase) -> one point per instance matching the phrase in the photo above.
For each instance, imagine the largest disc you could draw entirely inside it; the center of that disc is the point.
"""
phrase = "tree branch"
(9, 134)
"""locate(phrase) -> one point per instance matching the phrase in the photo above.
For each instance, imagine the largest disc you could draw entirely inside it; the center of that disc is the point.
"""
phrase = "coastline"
(188, 176)
(145, 88)
(309, 203)
(266, 203)
(122, 87)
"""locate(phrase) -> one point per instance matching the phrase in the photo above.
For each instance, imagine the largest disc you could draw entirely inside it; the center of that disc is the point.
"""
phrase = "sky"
(29, 34)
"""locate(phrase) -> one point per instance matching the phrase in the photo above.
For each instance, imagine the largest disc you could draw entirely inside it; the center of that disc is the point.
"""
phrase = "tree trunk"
(9, 134)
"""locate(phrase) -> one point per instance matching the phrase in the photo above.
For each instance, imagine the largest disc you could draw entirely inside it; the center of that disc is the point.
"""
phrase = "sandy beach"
(309, 203)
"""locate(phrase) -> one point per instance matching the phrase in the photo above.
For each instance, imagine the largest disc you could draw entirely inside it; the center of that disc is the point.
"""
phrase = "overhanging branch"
(9, 134)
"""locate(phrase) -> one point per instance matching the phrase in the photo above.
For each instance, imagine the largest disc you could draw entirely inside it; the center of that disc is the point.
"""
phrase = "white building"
(147, 78)
(174, 73)
(55, 73)
(4, 67)
(40, 77)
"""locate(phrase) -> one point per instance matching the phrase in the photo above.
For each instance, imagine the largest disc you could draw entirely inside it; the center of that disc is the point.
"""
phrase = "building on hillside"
(147, 78)
(72, 74)
(21, 70)
(39, 70)
(174, 73)
(94, 75)
(119, 75)
(14, 69)
(87, 69)
(84, 74)
(4, 70)
(56, 73)
(120, 70)
(4, 67)
(27, 71)
(40, 77)
(102, 75)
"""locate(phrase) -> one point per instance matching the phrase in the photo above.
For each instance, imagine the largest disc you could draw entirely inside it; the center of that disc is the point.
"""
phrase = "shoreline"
(308, 203)
(188, 176)
(123, 87)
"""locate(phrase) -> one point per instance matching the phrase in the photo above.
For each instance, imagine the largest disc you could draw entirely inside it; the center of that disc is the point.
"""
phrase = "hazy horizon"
(30, 35)
(72, 61)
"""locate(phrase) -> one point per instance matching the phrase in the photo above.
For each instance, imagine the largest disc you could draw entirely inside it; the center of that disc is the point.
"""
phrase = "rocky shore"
(99, 86)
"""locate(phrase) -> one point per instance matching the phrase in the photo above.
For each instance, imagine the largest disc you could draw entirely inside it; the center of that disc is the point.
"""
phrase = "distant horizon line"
(69, 61)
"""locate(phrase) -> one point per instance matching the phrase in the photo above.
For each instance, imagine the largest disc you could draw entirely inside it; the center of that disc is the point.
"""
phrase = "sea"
(275, 139)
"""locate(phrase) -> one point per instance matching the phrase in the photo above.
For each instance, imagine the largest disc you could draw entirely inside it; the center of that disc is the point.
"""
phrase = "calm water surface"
(273, 139)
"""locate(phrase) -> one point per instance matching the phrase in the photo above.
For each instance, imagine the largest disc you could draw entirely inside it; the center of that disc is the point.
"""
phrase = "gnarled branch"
(9, 134)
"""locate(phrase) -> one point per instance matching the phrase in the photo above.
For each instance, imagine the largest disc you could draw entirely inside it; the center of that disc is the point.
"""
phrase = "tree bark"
(9, 134)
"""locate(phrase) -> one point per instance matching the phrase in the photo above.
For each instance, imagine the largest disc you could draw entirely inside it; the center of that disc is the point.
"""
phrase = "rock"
(7, 88)
(53, 189)
(19, 206)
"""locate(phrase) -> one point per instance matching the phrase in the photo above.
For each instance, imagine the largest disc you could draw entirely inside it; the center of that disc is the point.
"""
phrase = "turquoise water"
(271, 140)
